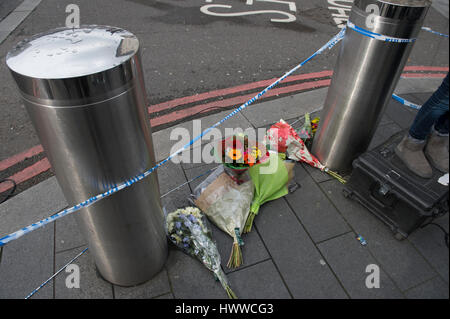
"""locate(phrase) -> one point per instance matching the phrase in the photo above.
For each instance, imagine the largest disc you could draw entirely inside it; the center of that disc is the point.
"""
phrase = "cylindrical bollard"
(379, 37)
(84, 91)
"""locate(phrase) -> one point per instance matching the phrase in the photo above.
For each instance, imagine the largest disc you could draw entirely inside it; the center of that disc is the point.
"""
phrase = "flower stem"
(223, 281)
(235, 259)
(337, 176)
(249, 223)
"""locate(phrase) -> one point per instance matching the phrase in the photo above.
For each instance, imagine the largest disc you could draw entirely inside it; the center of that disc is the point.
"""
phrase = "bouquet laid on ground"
(271, 180)
(284, 139)
(227, 205)
(237, 153)
(188, 231)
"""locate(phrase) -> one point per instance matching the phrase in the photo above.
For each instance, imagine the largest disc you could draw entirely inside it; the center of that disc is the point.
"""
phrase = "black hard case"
(387, 188)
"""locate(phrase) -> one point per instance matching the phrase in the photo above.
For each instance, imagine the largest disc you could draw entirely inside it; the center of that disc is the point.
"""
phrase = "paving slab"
(294, 254)
(32, 205)
(68, 234)
(349, 260)
(430, 242)
(92, 286)
(260, 281)
(316, 213)
(190, 279)
(289, 107)
(415, 85)
(382, 133)
(26, 263)
(401, 260)
(156, 287)
(166, 296)
(432, 289)
(403, 116)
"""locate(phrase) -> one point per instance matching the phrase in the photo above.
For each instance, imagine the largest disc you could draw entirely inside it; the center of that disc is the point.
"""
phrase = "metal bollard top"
(67, 53)
(52, 65)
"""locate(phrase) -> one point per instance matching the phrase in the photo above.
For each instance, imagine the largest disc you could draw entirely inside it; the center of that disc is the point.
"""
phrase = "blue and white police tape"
(406, 102)
(377, 36)
(55, 274)
(13, 236)
(434, 32)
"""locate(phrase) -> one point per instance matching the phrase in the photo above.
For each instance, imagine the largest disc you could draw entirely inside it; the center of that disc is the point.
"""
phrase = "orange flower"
(235, 154)
(249, 159)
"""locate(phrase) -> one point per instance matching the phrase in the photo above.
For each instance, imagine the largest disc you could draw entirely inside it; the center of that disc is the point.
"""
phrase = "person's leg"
(433, 114)
(437, 145)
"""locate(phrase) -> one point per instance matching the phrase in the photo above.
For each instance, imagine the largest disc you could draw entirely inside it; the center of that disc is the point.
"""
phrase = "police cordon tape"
(434, 32)
(405, 102)
(377, 36)
(329, 45)
(56, 273)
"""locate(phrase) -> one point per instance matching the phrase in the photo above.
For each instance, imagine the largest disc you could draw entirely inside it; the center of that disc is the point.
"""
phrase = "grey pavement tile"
(419, 98)
(170, 175)
(176, 199)
(294, 254)
(431, 244)
(28, 5)
(197, 171)
(349, 260)
(67, 234)
(190, 279)
(3, 35)
(317, 214)
(30, 206)
(260, 281)
(13, 20)
(92, 286)
(288, 107)
(26, 263)
(400, 114)
(155, 287)
(316, 174)
(417, 85)
(401, 261)
(253, 250)
(432, 289)
(383, 133)
(166, 296)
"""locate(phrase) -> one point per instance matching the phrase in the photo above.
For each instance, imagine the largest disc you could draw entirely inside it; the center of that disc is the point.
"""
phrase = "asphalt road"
(195, 46)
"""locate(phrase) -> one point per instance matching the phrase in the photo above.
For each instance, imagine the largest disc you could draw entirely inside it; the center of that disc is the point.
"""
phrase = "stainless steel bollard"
(84, 91)
(365, 77)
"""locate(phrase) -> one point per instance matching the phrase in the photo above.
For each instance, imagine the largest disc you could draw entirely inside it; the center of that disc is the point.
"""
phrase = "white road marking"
(289, 17)
(206, 10)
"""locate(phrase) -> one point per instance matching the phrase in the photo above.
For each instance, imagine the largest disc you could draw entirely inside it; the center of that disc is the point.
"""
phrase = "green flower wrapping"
(270, 180)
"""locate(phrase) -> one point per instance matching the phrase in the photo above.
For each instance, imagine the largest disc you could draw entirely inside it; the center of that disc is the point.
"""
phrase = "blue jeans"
(433, 112)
